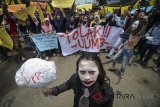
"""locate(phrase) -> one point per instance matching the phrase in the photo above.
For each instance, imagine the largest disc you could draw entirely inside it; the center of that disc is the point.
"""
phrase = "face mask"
(135, 25)
(88, 72)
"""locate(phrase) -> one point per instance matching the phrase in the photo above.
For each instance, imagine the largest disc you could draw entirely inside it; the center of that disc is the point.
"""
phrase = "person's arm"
(61, 88)
(63, 14)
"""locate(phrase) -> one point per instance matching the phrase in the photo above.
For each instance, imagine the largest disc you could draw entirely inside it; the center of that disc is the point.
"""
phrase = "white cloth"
(149, 38)
(36, 73)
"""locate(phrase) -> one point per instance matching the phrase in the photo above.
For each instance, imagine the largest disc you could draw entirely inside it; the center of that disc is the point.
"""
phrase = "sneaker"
(23, 58)
(121, 74)
(107, 57)
(143, 64)
(47, 58)
(111, 69)
(54, 54)
(156, 68)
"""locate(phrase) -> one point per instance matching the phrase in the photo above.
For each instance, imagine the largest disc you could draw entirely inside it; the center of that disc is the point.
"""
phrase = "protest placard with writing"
(90, 39)
(45, 41)
(14, 8)
(62, 3)
(5, 39)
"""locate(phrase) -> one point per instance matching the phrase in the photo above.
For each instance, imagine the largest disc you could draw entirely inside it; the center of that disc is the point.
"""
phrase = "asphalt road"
(139, 87)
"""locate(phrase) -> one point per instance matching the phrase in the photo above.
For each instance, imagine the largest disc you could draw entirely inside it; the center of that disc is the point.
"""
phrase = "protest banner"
(31, 10)
(112, 1)
(152, 2)
(9, 2)
(0, 42)
(48, 9)
(123, 9)
(110, 9)
(41, 16)
(90, 39)
(14, 8)
(5, 39)
(62, 3)
(21, 15)
(136, 5)
(36, 4)
(85, 6)
(1, 11)
(45, 41)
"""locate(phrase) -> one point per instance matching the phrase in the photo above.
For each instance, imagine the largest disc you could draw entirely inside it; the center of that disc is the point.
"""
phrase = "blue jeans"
(126, 54)
(118, 42)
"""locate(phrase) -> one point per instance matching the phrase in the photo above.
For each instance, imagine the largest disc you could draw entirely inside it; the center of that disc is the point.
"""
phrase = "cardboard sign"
(89, 39)
(14, 8)
(45, 42)
(62, 3)
(5, 39)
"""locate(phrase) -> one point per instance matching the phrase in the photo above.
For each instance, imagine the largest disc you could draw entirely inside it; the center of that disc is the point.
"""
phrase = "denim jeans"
(126, 54)
(118, 42)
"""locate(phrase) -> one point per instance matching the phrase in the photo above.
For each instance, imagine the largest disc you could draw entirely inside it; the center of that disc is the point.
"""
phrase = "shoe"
(111, 69)
(23, 58)
(54, 54)
(121, 75)
(143, 64)
(156, 68)
(47, 58)
(107, 57)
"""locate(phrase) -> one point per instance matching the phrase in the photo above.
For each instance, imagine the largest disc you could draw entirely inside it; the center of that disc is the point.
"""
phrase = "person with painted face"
(127, 50)
(89, 84)
(96, 21)
(135, 27)
(59, 21)
(71, 25)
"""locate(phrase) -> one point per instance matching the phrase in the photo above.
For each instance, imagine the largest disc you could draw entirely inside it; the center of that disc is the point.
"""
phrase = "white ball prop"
(36, 73)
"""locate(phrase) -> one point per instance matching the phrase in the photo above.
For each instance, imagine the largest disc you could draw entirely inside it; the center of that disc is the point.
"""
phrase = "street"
(139, 87)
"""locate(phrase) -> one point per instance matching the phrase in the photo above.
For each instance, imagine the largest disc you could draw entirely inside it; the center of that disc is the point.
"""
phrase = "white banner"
(89, 39)
(112, 1)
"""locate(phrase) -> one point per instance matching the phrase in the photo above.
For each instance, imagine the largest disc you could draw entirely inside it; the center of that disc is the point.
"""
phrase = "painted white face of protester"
(135, 25)
(88, 72)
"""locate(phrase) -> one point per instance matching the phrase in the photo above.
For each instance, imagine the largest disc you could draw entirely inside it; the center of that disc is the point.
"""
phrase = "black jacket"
(100, 96)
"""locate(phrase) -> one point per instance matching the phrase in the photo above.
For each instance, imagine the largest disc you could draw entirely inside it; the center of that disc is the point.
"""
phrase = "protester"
(71, 24)
(135, 27)
(151, 45)
(47, 27)
(96, 21)
(112, 21)
(127, 51)
(89, 81)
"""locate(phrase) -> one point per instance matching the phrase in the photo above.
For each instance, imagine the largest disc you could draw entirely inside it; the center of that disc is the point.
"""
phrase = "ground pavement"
(139, 87)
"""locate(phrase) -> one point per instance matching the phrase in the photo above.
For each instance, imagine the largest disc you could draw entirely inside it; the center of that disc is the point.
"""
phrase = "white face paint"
(88, 72)
(135, 25)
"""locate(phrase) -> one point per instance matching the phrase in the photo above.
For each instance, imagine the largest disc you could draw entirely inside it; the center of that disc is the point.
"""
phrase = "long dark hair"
(102, 78)
(138, 29)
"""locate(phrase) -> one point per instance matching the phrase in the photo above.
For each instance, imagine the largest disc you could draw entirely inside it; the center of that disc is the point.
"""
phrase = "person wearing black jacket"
(89, 84)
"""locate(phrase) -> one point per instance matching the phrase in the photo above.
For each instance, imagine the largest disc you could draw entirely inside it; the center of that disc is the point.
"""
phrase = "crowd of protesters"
(59, 20)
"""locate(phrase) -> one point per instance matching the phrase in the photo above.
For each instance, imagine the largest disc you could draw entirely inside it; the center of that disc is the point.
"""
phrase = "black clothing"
(101, 96)
(151, 50)
(126, 34)
(71, 26)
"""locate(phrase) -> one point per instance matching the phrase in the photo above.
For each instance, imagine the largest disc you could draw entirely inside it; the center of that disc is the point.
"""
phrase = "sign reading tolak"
(88, 39)
(112, 1)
